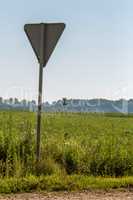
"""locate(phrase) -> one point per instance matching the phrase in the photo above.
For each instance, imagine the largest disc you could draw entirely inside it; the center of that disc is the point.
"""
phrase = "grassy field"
(72, 145)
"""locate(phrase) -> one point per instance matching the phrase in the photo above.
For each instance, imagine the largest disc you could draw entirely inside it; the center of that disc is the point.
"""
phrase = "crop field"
(72, 145)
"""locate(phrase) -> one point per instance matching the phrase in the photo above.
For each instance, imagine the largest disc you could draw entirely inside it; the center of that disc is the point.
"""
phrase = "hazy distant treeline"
(70, 105)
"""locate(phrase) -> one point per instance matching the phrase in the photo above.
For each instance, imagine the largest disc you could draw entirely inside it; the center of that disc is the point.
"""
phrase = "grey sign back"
(43, 38)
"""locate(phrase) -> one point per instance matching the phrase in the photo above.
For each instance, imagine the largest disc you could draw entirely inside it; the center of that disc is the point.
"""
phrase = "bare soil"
(113, 195)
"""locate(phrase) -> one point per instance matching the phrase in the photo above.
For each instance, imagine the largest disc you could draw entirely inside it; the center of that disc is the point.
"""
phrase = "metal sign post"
(43, 38)
(40, 95)
(39, 113)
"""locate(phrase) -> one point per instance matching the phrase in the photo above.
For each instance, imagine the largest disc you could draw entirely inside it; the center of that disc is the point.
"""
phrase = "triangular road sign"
(43, 38)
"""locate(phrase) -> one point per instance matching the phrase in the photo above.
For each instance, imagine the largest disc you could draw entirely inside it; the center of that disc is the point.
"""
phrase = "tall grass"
(83, 144)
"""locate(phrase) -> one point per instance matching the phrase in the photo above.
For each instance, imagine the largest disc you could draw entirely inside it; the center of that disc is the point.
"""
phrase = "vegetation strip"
(60, 183)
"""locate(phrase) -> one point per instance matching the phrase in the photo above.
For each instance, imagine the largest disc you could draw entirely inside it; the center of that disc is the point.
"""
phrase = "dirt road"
(114, 195)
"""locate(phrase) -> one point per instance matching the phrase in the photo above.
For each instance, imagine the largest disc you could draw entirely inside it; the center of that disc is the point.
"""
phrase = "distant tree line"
(12, 101)
(70, 105)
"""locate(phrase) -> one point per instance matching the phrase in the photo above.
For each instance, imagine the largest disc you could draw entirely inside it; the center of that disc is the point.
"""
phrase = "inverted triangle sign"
(43, 38)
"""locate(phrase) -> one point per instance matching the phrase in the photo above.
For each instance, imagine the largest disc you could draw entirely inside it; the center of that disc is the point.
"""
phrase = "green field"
(82, 145)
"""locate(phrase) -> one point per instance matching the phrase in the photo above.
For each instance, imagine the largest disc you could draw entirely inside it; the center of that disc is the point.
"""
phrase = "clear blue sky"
(93, 59)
